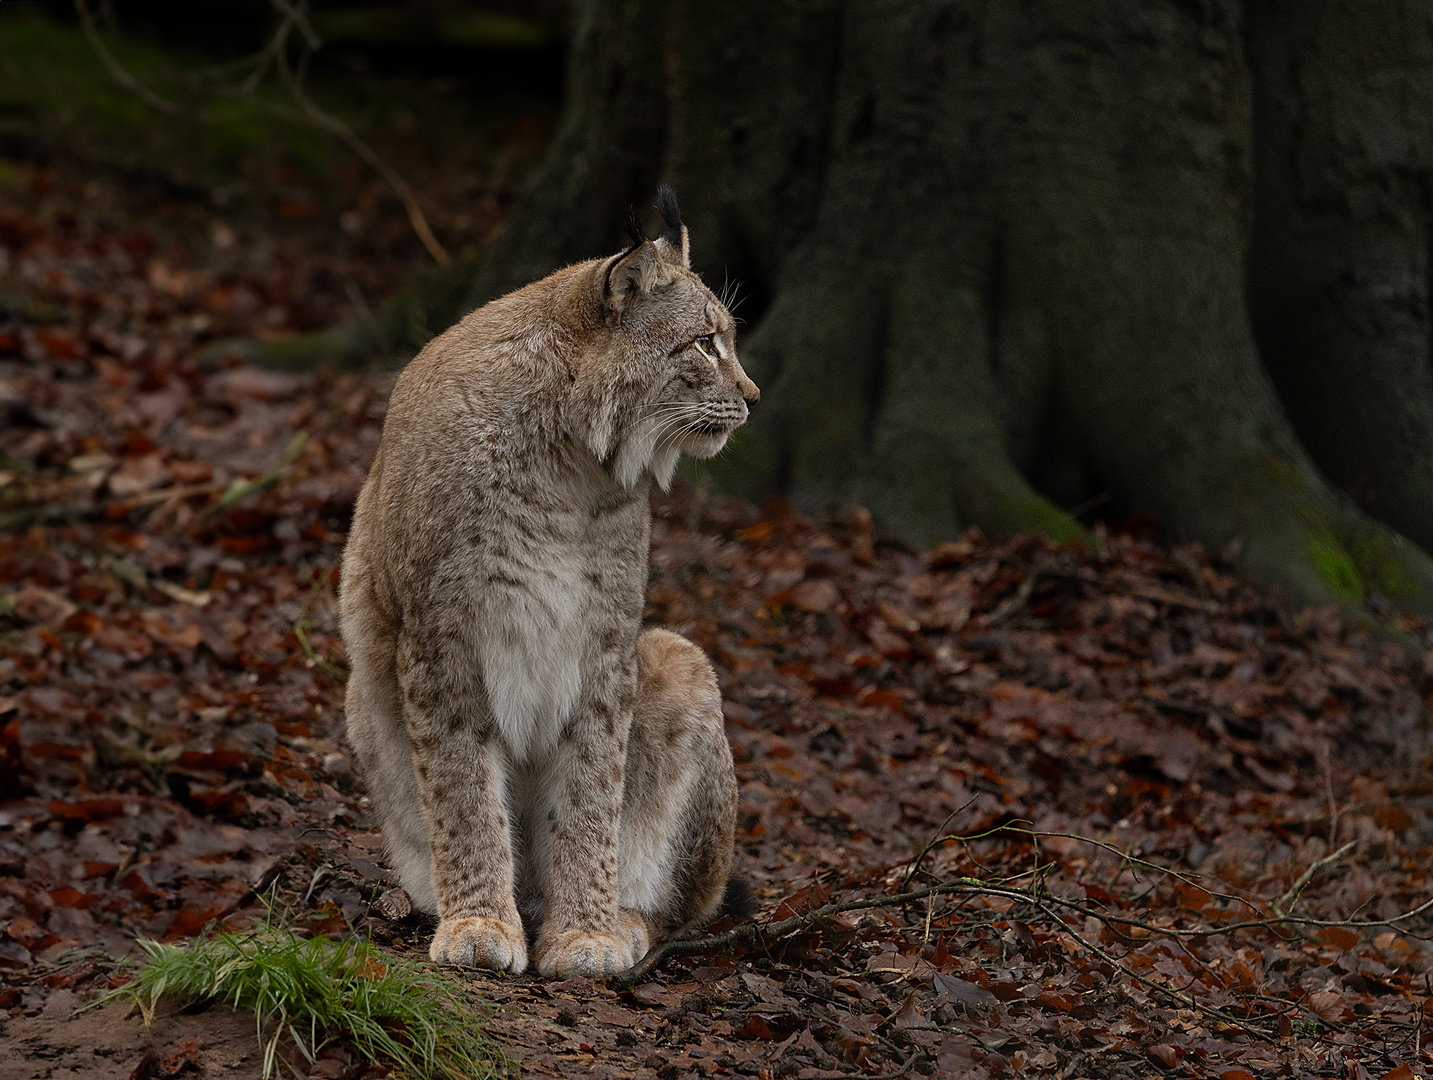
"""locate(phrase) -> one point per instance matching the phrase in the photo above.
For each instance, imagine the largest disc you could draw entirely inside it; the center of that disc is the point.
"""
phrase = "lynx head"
(666, 379)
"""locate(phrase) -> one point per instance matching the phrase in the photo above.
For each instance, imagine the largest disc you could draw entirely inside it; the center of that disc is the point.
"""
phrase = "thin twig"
(931, 844)
(754, 932)
(335, 126)
(117, 70)
(1123, 853)
(56, 513)
(27, 516)
(1180, 999)
(240, 490)
(275, 54)
(1297, 887)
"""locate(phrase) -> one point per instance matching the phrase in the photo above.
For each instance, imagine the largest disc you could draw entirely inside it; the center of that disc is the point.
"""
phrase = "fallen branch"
(335, 126)
(237, 492)
(117, 70)
(753, 933)
(27, 516)
(1183, 1000)
(1297, 887)
(275, 55)
(1123, 853)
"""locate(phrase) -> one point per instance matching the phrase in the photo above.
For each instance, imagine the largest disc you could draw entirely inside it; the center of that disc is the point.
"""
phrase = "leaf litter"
(1147, 820)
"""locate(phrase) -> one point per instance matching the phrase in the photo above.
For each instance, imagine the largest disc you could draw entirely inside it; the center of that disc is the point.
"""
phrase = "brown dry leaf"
(184, 636)
(33, 604)
(128, 643)
(1329, 1005)
(138, 474)
(909, 1015)
(817, 597)
(1166, 1055)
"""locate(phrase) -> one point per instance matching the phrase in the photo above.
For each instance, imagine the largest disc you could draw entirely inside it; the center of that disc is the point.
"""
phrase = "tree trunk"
(1339, 276)
(1003, 259)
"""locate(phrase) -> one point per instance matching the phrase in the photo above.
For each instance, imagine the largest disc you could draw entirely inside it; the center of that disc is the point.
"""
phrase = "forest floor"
(1123, 766)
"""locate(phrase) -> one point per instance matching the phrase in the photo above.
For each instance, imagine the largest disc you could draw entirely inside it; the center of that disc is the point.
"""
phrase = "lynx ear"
(632, 275)
(675, 239)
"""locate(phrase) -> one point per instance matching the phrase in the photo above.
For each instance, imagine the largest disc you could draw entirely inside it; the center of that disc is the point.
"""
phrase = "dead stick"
(117, 70)
(752, 932)
(1187, 1002)
(1298, 887)
(335, 126)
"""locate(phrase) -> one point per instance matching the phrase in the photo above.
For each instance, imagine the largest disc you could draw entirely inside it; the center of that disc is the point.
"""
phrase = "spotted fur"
(545, 774)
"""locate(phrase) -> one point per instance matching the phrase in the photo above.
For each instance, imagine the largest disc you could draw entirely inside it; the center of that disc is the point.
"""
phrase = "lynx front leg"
(461, 781)
(583, 804)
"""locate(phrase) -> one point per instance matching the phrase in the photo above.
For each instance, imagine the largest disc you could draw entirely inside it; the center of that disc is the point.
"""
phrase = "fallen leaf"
(1166, 1055)
(138, 474)
(967, 993)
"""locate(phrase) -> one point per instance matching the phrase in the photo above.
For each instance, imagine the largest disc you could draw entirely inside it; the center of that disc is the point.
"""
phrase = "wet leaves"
(1060, 723)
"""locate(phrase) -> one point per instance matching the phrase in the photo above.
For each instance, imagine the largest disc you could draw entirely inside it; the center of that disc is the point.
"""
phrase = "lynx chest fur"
(546, 775)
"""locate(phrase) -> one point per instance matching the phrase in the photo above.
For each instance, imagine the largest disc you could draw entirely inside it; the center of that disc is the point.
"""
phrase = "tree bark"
(1002, 259)
(1339, 276)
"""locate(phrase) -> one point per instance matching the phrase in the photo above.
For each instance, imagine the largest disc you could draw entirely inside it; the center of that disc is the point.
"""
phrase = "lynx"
(545, 774)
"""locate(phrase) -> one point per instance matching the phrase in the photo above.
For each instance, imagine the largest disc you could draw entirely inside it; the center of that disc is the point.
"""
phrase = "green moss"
(1335, 565)
(1041, 516)
(1383, 563)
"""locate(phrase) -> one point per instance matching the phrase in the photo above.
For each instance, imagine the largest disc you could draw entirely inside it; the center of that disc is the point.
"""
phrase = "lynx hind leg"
(373, 703)
(679, 808)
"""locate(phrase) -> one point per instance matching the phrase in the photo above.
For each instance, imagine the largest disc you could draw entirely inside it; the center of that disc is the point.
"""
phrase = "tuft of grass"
(317, 991)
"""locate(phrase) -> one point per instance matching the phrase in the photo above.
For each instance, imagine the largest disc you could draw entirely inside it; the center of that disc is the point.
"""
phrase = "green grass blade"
(391, 1010)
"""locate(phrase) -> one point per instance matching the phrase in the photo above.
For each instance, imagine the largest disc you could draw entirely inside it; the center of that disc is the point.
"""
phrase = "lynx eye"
(707, 344)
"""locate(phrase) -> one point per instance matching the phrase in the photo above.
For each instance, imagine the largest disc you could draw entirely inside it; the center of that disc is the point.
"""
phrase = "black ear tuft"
(671, 216)
(634, 228)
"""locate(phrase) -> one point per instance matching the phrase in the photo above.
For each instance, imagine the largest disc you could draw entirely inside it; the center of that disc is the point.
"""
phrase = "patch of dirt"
(110, 1042)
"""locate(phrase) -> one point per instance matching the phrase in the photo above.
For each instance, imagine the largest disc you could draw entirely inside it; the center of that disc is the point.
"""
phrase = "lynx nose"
(749, 390)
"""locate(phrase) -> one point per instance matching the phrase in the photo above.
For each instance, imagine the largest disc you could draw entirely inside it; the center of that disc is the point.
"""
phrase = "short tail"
(737, 901)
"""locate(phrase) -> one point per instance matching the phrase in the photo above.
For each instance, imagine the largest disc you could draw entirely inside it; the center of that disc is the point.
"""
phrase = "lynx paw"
(480, 942)
(577, 952)
(632, 926)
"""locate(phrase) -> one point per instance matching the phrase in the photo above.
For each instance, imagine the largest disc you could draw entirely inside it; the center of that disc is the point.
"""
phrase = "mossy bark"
(1340, 284)
(1001, 259)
